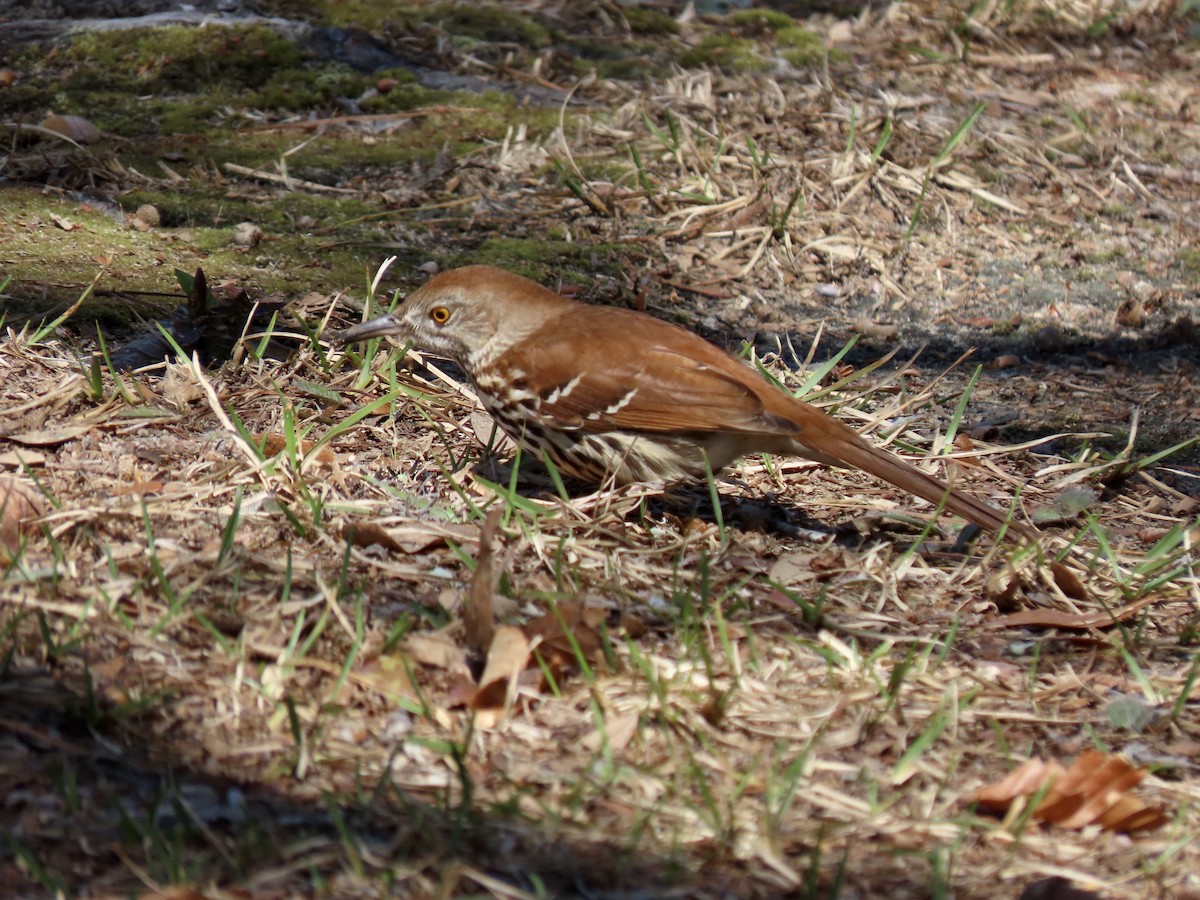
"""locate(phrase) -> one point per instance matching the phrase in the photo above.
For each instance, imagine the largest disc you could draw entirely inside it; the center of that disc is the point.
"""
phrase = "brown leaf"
(635, 626)
(20, 504)
(479, 620)
(274, 444)
(406, 539)
(1054, 618)
(77, 128)
(366, 534)
(573, 618)
(50, 437)
(63, 222)
(1001, 589)
(877, 330)
(507, 658)
(1093, 791)
(1055, 888)
(391, 676)
(1005, 361)
(14, 459)
(138, 488)
(435, 649)
(1068, 582)
(1022, 781)
(618, 731)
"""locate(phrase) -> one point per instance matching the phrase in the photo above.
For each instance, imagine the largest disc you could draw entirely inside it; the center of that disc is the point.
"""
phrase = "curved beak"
(374, 328)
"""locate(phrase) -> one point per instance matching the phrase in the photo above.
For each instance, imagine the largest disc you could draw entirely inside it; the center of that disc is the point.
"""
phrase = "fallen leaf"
(1005, 361)
(1067, 506)
(15, 459)
(506, 660)
(77, 128)
(1055, 888)
(20, 504)
(1054, 618)
(274, 444)
(877, 330)
(478, 618)
(617, 731)
(435, 649)
(407, 539)
(1068, 582)
(138, 488)
(1094, 790)
(247, 235)
(635, 626)
(49, 437)
(367, 534)
(571, 618)
(1001, 589)
(391, 675)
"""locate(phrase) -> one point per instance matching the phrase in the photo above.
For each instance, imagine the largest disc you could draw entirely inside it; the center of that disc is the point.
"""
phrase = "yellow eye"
(440, 315)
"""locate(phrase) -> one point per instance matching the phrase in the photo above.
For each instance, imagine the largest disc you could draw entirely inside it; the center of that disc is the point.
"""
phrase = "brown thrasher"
(615, 393)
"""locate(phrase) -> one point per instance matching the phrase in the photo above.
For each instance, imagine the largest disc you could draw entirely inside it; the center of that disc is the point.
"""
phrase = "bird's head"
(469, 315)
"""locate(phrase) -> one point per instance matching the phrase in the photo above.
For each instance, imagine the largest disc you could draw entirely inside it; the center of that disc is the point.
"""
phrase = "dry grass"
(209, 681)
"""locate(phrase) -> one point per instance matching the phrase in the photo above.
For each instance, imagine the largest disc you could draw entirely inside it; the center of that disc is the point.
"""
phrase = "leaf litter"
(736, 699)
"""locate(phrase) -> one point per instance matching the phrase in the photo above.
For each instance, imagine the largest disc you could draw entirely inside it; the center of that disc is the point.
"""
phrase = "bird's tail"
(843, 444)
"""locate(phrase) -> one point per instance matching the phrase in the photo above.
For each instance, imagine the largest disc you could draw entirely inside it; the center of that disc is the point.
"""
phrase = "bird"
(611, 393)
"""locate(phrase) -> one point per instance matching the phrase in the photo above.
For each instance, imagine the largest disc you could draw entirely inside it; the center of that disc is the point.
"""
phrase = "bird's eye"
(440, 315)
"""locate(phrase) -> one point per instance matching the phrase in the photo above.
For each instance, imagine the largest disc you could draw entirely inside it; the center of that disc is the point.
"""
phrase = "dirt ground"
(241, 603)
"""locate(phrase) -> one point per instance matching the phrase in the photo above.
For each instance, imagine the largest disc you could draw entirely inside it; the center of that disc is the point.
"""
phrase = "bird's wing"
(626, 371)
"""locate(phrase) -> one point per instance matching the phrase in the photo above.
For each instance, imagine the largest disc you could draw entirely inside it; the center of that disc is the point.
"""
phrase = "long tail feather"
(844, 444)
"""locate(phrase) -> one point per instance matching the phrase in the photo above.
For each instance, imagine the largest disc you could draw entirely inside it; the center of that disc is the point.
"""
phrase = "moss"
(627, 60)
(730, 53)
(490, 24)
(186, 79)
(803, 48)
(761, 21)
(1139, 98)
(178, 58)
(544, 260)
(1189, 262)
(646, 21)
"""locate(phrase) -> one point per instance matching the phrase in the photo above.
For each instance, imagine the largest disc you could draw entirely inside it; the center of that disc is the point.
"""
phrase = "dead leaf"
(138, 488)
(1056, 888)
(274, 444)
(1068, 582)
(435, 649)
(618, 731)
(1094, 790)
(1001, 589)
(20, 504)
(507, 658)
(872, 329)
(49, 437)
(1067, 506)
(572, 618)
(1054, 618)
(247, 235)
(478, 618)
(15, 459)
(367, 534)
(1005, 361)
(635, 626)
(77, 128)
(391, 676)
(407, 539)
